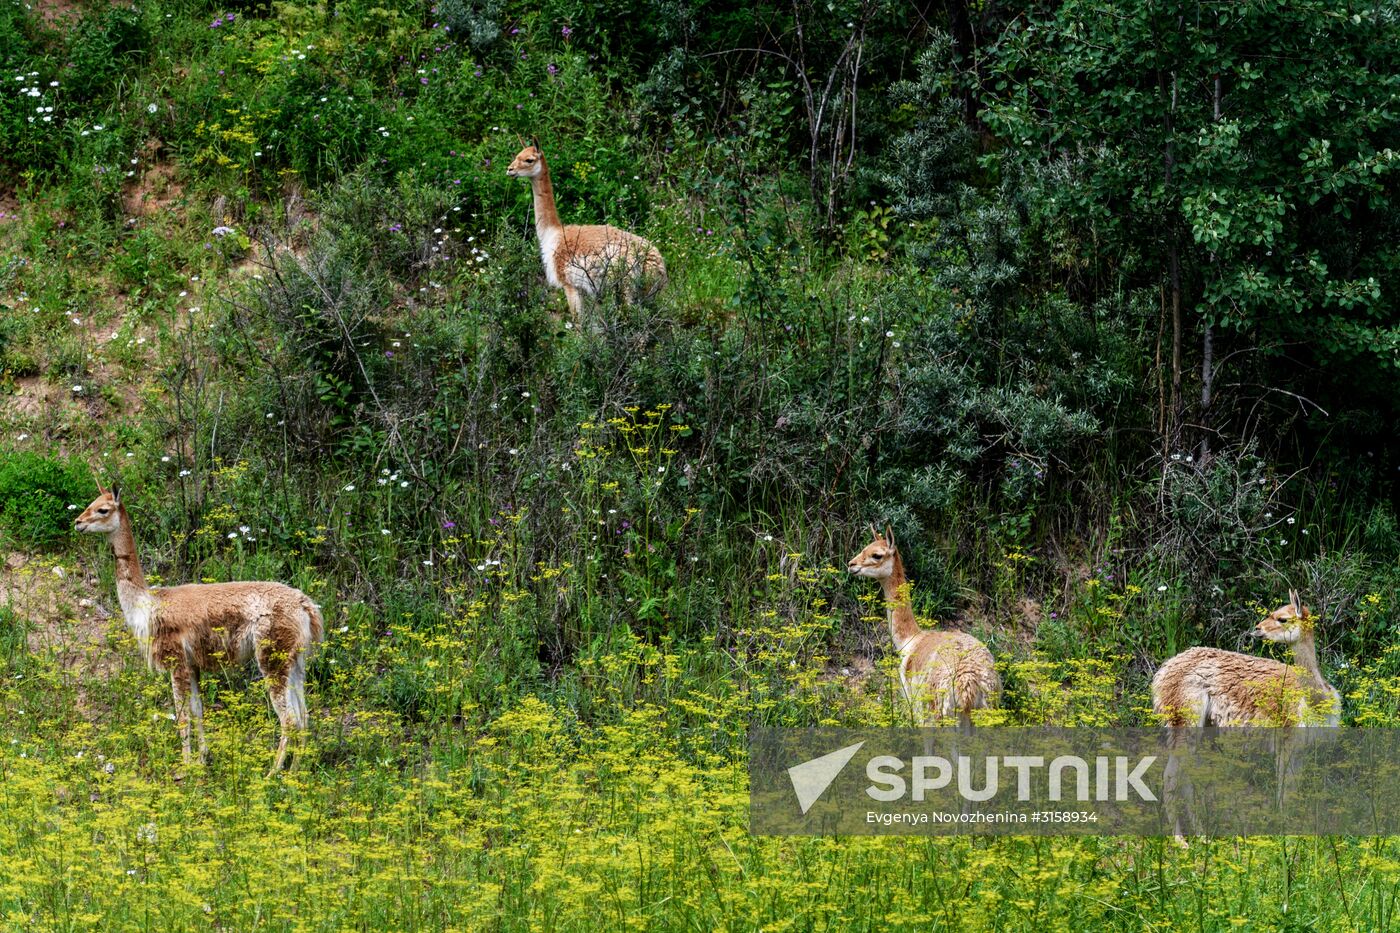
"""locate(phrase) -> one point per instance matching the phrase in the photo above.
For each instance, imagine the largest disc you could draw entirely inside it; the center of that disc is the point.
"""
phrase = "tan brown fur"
(943, 674)
(1210, 686)
(586, 260)
(187, 630)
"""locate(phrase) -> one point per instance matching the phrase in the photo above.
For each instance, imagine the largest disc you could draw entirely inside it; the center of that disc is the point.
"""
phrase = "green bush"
(35, 493)
(101, 48)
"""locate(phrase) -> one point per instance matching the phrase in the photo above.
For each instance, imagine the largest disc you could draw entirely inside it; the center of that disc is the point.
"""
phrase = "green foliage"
(104, 46)
(932, 160)
(36, 496)
(1270, 190)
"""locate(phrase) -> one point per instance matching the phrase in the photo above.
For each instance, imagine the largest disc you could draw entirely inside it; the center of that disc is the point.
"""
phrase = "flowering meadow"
(262, 266)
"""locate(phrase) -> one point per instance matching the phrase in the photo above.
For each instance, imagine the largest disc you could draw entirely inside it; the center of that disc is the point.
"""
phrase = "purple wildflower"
(566, 32)
(553, 69)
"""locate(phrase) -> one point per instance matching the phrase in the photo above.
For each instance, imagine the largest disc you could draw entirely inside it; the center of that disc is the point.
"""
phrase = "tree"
(1243, 154)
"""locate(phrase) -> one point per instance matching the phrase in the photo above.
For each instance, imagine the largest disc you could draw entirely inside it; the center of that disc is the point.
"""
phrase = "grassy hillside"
(262, 265)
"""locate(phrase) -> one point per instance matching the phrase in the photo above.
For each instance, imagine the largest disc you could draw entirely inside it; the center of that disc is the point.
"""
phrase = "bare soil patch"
(54, 12)
(156, 189)
(9, 205)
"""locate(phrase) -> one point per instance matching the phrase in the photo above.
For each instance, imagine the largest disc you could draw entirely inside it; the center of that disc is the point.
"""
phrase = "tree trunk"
(1172, 432)
(1174, 266)
(1208, 341)
(1207, 364)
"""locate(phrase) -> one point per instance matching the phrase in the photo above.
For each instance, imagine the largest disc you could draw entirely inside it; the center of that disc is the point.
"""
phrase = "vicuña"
(1213, 687)
(944, 674)
(189, 629)
(586, 260)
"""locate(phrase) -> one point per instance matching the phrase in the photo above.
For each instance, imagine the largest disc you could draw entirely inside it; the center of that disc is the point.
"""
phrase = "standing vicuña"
(202, 626)
(586, 260)
(943, 673)
(1210, 686)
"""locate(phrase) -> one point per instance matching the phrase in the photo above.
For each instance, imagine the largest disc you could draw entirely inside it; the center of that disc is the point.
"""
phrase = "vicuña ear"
(116, 493)
(534, 141)
(873, 532)
(1293, 599)
(889, 533)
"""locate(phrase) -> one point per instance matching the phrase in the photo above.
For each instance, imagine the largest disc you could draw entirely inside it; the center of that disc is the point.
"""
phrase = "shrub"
(35, 492)
(477, 23)
(102, 47)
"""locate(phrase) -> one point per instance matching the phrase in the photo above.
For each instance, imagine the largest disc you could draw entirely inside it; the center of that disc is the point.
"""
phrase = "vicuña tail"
(970, 689)
(317, 624)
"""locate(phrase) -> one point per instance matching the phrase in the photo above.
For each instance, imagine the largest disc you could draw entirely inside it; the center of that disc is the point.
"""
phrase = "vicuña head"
(586, 260)
(528, 162)
(944, 674)
(1287, 624)
(876, 559)
(189, 629)
(103, 516)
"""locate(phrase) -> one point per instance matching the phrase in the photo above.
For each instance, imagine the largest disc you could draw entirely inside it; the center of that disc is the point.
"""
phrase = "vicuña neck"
(131, 582)
(546, 215)
(903, 625)
(1305, 656)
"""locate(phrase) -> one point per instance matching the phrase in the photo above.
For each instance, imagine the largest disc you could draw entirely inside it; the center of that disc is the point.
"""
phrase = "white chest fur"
(549, 243)
(139, 610)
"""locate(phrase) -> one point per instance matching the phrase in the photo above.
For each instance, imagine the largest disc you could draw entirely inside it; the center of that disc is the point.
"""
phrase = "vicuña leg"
(196, 701)
(180, 688)
(276, 667)
(296, 705)
(286, 723)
